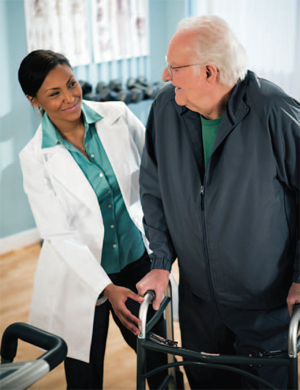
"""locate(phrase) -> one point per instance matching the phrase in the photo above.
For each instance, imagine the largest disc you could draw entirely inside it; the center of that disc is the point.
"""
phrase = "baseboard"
(19, 240)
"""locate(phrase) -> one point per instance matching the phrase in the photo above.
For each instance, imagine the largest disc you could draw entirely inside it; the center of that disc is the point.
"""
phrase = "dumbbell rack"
(136, 90)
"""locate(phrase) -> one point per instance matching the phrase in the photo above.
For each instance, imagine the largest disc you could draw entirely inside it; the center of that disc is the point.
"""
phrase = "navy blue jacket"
(234, 227)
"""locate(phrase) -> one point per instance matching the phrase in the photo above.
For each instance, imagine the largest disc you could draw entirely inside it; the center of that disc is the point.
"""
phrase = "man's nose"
(166, 76)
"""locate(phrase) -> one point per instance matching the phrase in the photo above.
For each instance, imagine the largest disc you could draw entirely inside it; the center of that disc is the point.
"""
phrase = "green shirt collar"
(51, 136)
(211, 122)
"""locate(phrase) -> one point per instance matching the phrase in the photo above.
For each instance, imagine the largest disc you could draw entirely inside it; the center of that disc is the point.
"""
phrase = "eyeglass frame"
(170, 68)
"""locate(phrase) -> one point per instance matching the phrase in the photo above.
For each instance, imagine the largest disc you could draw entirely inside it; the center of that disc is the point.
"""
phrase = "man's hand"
(156, 280)
(293, 297)
(117, 296)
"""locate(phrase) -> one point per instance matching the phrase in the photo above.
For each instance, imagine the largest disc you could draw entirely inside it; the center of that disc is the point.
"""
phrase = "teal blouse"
(123, 243)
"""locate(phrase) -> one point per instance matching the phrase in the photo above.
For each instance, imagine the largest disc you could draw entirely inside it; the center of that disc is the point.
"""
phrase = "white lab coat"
(69, 277)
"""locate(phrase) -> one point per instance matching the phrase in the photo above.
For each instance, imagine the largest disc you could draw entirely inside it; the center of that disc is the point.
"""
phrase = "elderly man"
(220, 188)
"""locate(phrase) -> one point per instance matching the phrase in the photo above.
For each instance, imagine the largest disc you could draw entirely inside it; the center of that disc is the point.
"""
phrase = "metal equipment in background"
(135, 91)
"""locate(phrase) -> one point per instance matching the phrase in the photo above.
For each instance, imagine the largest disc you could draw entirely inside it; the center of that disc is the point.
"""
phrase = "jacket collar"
(236, 110)
(235, 107)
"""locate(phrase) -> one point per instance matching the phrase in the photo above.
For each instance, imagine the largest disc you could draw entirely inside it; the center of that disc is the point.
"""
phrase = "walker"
(22, 375)
(149, 341)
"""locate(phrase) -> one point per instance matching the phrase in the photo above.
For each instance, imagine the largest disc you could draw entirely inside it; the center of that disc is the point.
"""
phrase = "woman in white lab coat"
(81, 172)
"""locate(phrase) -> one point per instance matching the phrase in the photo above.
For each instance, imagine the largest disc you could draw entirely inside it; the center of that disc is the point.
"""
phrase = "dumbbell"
(103, 91)
(115, 85)
(133, 83)
(141, 80)
(87, 91)
(113, 91)
(100, 85)
(150, 90)
(137, 94)
(127, 96)
(123, 95)
(85, 86)
(104, 88)
(110, 91)
(120, 94)
(155, 86)
(95, 97)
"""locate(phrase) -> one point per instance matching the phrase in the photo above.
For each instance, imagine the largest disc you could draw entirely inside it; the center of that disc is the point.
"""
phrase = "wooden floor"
(16, 281)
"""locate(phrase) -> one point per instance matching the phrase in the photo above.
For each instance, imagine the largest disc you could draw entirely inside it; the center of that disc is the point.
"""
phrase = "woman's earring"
(40, 109)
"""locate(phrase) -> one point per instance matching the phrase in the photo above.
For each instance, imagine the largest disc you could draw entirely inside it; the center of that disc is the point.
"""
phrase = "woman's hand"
(117, 297)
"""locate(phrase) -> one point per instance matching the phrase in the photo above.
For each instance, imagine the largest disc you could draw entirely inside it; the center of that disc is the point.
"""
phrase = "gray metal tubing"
(219, 367)
(293, 332)
(140, 378)
(293, 346)
(148, 298)
(166, 306)
(23, 375)
(56, 347)
(170, 336)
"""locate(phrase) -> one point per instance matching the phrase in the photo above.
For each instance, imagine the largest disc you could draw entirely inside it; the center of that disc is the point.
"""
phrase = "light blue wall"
(18, 121)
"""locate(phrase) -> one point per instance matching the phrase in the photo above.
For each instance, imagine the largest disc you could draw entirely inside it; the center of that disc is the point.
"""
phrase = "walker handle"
(148, 298)
(293, 340)
(151, 294)
(296, 307)
(55, 346)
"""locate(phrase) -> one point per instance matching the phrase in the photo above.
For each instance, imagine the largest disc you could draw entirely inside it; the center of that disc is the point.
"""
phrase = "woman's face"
(60, 96)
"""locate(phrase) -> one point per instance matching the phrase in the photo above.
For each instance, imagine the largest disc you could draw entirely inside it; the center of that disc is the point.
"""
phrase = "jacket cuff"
(296, 277)
(160, 263)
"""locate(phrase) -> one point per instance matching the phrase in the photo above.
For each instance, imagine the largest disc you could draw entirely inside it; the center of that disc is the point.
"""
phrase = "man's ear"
(33, 101)
(208, 71)
(211, 73)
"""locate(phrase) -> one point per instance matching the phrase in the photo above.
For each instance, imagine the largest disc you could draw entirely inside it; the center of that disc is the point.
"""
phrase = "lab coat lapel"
(61, 165)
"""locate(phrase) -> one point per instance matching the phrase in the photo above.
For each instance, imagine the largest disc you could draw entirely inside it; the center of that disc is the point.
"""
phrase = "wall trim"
(19, 240)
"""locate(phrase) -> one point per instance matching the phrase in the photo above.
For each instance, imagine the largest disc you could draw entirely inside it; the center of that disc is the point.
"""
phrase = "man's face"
(189, 81)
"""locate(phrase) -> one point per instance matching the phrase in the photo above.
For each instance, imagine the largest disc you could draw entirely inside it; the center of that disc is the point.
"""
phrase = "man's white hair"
(215, 43)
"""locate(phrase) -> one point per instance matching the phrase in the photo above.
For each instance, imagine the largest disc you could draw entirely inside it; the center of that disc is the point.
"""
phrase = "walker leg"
(293, 374)
(170, 336)
(141, 353)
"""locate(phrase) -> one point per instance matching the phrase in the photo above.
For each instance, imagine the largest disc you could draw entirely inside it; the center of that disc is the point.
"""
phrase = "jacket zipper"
(202, 193)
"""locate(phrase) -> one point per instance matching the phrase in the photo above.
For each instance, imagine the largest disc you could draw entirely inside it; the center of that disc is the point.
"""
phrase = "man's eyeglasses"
(171, 68)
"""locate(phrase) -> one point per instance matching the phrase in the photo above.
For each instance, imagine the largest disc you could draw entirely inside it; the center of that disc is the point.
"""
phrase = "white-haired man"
(220, 188)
